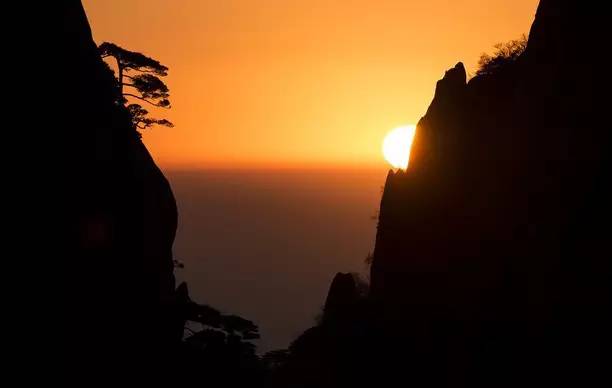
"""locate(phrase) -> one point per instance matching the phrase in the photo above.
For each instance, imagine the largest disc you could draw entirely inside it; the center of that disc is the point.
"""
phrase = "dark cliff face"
(119, 276)
(342, 295)
(501, 162)
(499, 224)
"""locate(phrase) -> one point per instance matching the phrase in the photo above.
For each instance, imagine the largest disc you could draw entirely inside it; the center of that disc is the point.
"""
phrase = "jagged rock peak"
(342, 293)
(456, 75)
(451, 85)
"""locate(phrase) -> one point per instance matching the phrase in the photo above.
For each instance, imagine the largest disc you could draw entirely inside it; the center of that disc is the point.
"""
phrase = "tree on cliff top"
(145, 85)
(505, 53)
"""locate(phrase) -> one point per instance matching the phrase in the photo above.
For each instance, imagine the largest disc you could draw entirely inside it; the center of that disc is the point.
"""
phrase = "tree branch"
(143, 99)
(120, 75)
(142, 70)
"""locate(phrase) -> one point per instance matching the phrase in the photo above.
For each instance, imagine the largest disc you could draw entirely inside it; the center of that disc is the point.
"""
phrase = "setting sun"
(396, 146)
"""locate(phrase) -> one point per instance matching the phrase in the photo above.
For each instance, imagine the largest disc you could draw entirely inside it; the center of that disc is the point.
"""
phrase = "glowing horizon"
(307, 83)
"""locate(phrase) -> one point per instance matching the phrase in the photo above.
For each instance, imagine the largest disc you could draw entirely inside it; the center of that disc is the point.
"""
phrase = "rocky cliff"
(491, 265)
(499, 223)
(119, 285)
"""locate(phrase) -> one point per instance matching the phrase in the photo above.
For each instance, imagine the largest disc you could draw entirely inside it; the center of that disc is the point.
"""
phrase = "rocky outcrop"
(491, 265)
(498, 223)
(483, 146)
(341, 297)
(119, 273)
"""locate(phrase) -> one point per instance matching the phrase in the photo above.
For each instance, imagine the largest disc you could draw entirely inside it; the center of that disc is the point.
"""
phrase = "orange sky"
(310, 83)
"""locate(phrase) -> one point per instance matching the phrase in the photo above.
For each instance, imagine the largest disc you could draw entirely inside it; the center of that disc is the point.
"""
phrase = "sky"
(285, 83)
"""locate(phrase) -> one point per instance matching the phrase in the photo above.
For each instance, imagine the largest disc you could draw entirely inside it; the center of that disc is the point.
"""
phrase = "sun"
(396, 146)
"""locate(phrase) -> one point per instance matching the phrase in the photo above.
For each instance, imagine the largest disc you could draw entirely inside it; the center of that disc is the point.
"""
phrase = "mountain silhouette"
(125, 318)
(491, 263)
(121, 281)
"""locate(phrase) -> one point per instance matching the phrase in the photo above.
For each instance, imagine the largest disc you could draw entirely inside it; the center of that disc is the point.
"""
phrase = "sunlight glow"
(396, 146)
